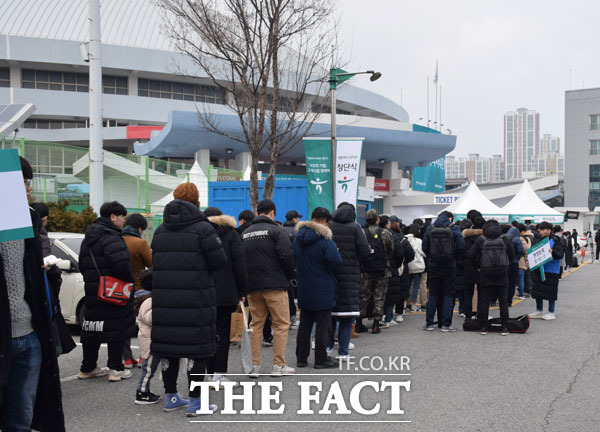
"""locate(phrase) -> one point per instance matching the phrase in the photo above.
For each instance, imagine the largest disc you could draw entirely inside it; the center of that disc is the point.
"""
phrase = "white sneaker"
(393, 323)
(536, 314)
(278, 371)
(328, 350)
(294, 323)
(399, 318)
(312, 344)
(255, 371)
(548, 316)
(415, 309)
(97, 372)
(383, 325)
(221, 379)
(350, 346)
(115, 375)
(342, 357)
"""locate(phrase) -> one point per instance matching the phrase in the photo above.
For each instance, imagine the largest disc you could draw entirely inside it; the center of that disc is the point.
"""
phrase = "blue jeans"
(415, 280)
(539, 303)
(389, 312)
(17, 397)
(521, 282)
(344, 333)
(446, 310)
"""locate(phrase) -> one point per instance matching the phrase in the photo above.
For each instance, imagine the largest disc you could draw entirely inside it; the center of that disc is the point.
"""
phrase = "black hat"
(292, 214)
(395, 218)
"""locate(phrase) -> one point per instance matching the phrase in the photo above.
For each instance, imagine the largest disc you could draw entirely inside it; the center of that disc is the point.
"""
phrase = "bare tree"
(267, 58)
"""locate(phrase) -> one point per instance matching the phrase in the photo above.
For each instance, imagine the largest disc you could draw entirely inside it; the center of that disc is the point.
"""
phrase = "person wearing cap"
(375, 271)
(291, 220)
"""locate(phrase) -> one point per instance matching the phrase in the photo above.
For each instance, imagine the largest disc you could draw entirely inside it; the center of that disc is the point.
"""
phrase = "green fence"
(62, 172)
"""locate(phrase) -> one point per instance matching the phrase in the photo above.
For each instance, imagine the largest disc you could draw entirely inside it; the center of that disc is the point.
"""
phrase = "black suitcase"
(519, 324)
(575, 262)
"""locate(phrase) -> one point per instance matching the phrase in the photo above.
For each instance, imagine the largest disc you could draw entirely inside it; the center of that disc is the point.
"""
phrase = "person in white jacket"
(416, 268)
(143, 308)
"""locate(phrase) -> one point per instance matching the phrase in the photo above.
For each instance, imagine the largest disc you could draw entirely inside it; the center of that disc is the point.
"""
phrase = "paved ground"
(545, 380)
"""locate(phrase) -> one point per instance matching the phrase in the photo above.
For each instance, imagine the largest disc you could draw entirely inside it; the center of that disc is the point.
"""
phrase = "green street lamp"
(338, 76)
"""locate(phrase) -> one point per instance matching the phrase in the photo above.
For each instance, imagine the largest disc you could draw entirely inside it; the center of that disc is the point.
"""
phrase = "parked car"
(65, 246)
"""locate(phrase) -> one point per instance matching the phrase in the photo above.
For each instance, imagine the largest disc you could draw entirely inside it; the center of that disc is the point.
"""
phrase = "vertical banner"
(348, 154)
(15, 220)
(431, 178)
(319, 178)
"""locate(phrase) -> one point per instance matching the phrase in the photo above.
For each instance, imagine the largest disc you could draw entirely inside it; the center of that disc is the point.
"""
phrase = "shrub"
(63, 220)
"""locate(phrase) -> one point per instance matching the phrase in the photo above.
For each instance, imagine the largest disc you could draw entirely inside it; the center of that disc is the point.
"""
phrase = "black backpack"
(494, 259)
(376, 262)
(441, 245)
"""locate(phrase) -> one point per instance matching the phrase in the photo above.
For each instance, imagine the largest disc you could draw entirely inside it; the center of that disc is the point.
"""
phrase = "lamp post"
(338, 76)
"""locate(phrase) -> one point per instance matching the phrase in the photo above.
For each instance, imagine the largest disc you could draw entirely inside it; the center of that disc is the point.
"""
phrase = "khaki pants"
(423, 296)
(261, 304)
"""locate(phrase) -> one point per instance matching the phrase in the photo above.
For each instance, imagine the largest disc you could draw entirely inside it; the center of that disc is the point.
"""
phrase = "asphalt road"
(544, 380)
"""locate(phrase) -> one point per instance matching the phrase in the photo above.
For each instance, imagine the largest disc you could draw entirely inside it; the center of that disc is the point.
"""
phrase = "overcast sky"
(493, 57)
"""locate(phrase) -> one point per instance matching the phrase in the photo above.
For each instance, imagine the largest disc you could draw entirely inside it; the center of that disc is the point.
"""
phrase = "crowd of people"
(202, 266)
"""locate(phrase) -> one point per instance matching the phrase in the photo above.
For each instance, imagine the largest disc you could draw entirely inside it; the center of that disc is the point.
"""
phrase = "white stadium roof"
(133, 23)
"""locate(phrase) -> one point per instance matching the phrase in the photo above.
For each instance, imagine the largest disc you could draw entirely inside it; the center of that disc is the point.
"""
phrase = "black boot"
(359, 327)
(376, 329)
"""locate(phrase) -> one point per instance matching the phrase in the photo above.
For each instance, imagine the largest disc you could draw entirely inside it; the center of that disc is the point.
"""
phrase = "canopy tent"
(526, 205)
(473, 198)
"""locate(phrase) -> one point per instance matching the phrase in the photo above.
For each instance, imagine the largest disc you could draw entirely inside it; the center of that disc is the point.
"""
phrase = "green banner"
(318, 173)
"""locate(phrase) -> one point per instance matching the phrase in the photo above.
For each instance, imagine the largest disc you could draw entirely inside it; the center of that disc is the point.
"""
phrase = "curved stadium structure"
(151, 109)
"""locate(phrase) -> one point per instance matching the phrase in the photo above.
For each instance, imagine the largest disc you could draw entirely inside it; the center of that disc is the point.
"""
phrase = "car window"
(59, 253)
(73, 243)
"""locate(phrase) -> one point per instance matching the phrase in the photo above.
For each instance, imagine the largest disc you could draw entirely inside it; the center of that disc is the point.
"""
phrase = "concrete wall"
(579, 105)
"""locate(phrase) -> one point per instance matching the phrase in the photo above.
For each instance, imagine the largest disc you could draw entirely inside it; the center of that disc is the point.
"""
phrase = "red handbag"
(112, 290)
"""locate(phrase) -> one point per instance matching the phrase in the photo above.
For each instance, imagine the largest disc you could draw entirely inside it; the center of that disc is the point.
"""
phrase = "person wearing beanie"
(375, 271)
(186, 254)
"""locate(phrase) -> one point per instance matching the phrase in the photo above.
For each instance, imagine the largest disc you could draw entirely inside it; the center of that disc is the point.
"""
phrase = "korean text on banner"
(538, 255)
(319, 178)
(347, 162)
(15, 220)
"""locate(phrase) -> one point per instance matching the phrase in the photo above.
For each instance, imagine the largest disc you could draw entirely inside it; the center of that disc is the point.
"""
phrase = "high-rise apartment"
(521, 142)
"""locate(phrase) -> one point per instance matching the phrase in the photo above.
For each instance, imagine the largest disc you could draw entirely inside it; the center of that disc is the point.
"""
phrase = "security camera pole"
(338, 76)
(95, 92)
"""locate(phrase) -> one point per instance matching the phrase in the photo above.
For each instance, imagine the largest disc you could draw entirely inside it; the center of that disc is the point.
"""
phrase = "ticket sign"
(538, 255)
(15, 220)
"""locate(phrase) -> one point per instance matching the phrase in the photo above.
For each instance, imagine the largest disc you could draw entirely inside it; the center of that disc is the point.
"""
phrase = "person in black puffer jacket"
(270, 261)
(186, 254)
(398, 284)
(492, 282)
(471, 274)
(354, 248)
(105, 322)
(231, 285)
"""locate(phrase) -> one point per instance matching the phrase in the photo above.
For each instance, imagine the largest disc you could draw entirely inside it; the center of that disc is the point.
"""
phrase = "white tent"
(526, 205)
(195, 175)
(473, 198)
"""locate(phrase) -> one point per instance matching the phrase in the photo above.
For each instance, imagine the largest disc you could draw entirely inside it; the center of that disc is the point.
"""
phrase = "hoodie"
(514, 236)
(317, 259)
(459, 252)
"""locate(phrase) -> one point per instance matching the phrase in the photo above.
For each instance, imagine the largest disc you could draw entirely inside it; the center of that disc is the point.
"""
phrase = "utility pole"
(95, 93)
